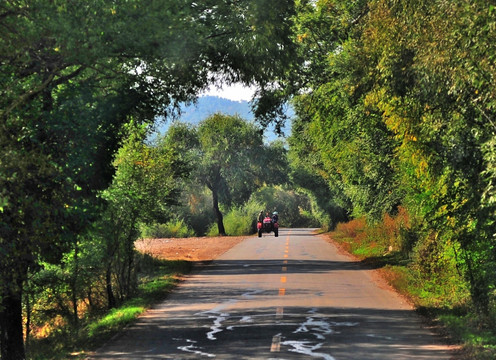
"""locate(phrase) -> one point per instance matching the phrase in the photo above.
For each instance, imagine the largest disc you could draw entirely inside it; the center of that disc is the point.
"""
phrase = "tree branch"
(37, 90)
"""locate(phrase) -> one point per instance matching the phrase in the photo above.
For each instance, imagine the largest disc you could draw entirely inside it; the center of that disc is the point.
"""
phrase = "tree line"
(76, 78)
(395, 110)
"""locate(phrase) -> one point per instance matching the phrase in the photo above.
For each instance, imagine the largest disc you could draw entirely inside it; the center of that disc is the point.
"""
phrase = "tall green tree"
(71, 75)
(142, 190)
(397, 107)
(337, 136)
(233, 161)
(434, 91)
(230, 159)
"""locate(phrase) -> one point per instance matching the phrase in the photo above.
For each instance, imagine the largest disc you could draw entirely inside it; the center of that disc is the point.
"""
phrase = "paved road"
(291, 297)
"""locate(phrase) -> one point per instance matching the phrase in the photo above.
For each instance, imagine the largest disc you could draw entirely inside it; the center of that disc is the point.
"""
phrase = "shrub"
(172, 229)
(237, 222)
(213, 230)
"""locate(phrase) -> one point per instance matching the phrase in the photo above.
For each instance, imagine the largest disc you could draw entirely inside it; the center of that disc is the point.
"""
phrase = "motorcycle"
(267, 225)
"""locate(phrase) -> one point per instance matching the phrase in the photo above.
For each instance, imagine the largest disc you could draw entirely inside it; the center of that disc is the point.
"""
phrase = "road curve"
(290, 297)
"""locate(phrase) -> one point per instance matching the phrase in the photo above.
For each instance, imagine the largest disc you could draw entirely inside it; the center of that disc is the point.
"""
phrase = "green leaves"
(227, 155)
(398, 107)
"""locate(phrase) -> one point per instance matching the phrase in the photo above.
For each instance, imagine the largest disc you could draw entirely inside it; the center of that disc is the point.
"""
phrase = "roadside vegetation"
(395, 122)
(54, 335)
(436, 287)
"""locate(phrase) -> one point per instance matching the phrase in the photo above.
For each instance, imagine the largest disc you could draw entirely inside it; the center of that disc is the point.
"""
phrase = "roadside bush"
(423, 265)
(213, 230)
(294, 208)
(238, 222)
(172, 229)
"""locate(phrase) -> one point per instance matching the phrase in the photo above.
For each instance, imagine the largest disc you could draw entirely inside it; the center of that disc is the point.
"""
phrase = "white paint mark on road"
(306, 347)
(246, 319)
(192, 348)
(251, 293)
(379, 336)
(320, 327)
(217, 326)
(219, 316)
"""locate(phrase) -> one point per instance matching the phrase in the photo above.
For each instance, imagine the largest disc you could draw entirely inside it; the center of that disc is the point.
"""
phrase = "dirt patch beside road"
(191, 249)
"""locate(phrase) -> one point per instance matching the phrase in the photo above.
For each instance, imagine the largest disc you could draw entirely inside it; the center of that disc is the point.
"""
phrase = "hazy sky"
(236, 92)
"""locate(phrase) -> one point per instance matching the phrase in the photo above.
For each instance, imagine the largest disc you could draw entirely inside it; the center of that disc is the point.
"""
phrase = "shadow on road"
(322, 333)
(238, 267)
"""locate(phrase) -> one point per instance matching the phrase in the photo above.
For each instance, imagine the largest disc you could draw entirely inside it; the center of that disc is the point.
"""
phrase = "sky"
(235, 92)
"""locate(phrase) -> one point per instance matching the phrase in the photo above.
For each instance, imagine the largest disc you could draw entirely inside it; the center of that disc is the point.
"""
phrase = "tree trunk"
(74, 287)
(220, 221)
(11, 336)
(27, 297)
(110, 293)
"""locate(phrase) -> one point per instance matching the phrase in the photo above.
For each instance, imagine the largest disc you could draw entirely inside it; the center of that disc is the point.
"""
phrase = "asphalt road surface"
(290, 297)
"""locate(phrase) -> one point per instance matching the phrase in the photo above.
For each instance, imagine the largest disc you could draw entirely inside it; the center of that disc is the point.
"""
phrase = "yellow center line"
(276, 343)
(282, 292)
(284, 268)
(283, 279)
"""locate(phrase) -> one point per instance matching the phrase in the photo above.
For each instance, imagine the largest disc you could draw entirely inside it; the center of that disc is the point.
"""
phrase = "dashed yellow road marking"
(276, 343)
(285, 255)
(284, 268)
(282, 292)
(283, 279)
(285, 262)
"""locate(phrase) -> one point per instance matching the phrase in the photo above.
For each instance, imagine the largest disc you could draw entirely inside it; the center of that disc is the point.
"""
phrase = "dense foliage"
(229, 158)
(72, 74)
(395, 106)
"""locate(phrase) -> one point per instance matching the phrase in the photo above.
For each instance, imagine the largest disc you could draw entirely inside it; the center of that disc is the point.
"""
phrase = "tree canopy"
(394, 103)
(72, 73)
(230, 158)
(395, 107)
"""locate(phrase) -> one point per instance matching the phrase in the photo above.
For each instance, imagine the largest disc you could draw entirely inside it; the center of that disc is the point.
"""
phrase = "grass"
(154, 287)
(441, 296)
(172, 229)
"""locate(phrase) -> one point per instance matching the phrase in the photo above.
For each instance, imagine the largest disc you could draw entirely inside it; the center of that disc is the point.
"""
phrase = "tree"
(72, 74)
(397, 107)
(230, 158)
(234, 161)
(142, 190)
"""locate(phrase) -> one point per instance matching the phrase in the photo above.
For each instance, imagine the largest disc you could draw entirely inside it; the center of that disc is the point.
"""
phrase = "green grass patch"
(155, 285)
(115, 320)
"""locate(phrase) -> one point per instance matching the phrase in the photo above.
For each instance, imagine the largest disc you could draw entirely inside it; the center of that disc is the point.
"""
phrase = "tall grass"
(418, 266)
(173, 229)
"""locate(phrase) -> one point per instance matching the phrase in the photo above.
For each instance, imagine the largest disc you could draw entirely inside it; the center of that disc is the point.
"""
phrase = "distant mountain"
(209, 105)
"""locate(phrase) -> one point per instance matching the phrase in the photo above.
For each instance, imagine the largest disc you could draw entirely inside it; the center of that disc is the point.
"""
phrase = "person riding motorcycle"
(275, 217)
